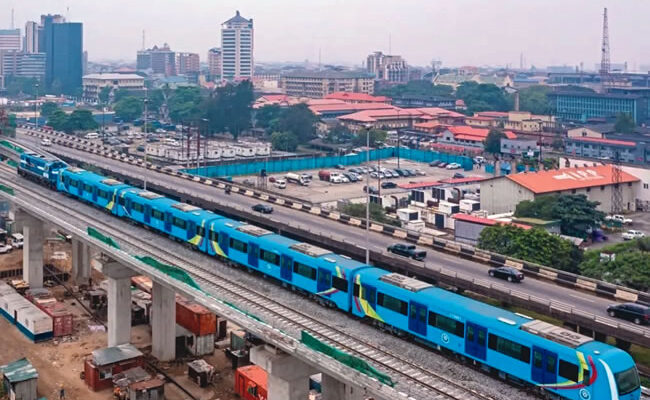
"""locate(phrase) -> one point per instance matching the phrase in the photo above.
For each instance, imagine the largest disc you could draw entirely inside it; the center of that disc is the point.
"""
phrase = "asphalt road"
(540, 288)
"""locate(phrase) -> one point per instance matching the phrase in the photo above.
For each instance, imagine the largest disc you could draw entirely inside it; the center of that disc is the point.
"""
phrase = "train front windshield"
(627, 381)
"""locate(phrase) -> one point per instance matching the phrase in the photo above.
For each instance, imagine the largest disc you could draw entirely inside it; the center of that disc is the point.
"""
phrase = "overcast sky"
(457, 32)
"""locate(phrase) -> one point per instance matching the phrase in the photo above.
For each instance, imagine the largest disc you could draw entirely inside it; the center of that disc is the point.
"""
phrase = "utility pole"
(368, 198)
(35, 105)
(146, 101)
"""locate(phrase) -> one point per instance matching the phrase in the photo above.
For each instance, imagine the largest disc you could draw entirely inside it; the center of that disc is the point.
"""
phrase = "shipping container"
(200, 345)
(250, 382)
(34, 323)
(62, 319)
(10, 305)
(195, 318)
(6, 289)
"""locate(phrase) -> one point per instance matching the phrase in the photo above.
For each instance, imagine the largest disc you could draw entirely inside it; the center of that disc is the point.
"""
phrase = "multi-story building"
(64, 54)
(94, 83)
(387, 67)
(32, 32)
(318, 84)
(9, 39)
(237, 48)
(160, 60)
(584, 106)
(26, 65)
(188, 63)
(214, 63)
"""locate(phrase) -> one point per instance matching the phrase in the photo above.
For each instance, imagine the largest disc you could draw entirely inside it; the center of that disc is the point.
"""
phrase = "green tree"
(229, 108)
(492, 142)
(377, 213)
(339, 134)
(535, 99)
(483, 97)
(284, 141)
(534, 245)
(557, 144)
(300, 121)
(80, 120)
(105, 94)
(17, 86)
(416, 88)
(8, 126)
(128, 108)
(58, 120)
(377, 137)
(630, 265)
(185, 104)
(48, 108)
(624, 123)
(267, 117)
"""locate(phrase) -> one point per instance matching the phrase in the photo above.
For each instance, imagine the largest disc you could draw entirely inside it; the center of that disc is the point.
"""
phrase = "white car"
(632, 234)
(17, 240)
(46, 142)
(618, 218)
(280, 184)
(453, 166)
(5, 248)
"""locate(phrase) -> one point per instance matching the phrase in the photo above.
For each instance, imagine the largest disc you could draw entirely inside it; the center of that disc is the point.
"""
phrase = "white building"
(237, 48)
(32, 31)
(9, 39)
(94, 83)
(387, 67)
(214, 63)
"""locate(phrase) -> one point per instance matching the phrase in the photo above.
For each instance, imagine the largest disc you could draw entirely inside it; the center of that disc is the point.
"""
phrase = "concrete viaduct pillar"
(32, 250)
(119, 300)
(288, 377)
(332, 389)
(163, 323)
(80, 273)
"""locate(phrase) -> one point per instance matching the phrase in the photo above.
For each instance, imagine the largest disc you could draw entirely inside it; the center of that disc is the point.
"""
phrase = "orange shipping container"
(250, 382)
(195, 318)
(62, 319)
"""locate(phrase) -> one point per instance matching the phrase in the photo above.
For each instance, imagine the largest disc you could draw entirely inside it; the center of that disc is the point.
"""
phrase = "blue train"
(560, 362)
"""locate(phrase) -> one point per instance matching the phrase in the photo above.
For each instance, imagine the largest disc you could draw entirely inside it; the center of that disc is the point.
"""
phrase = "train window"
(392, 303)
(238, 245)
(420, 316)
(157, 214)
(138, 207)
(509, 348)
(74, 183)
(270, 257)
(550, 364)
(102, 193)
(356, 289)
(179, 223)
(470, 333)
(537, 359)
(121, 201)
(447, 324)
(370, 294)
(569, 371)
(88, 188)
(304, 270)
(481, 338)
(214, 236)
(340, 284)
(200, 231)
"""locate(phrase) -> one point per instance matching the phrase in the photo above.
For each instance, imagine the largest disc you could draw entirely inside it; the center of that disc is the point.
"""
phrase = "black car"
(508, 273)
(442, 165)
(458, 175)
(637, 313)
(371, 190)
(263, 208)
(339, 166)
(434, 163)
(407, 250)
(388, 185)
(351, 177)
(400, 172)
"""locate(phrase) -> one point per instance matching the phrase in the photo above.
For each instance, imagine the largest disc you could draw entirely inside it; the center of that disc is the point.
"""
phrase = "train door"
(475, 340)
(286, 263)
(418, 318)
(544, 366)
(168, 221)
(224, 242)
(191, 229)
(253, 254)
(324, 281)
(370, 295)
(147, 214)
(94, 193)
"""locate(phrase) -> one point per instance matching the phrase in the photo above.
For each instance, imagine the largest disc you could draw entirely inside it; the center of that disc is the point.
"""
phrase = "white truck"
(296, 178)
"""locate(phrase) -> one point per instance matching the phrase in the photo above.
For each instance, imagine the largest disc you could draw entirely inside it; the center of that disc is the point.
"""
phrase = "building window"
(645, 185)
(573, 191)
(602, 188)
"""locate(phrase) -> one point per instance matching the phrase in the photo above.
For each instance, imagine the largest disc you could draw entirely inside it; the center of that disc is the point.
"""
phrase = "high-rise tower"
(237, 48)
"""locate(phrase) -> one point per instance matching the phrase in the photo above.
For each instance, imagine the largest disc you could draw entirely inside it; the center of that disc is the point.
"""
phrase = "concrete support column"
(288, 377)
(332, 389)
(33, 251)
(119, 299)
(80, 273)
(163, 323)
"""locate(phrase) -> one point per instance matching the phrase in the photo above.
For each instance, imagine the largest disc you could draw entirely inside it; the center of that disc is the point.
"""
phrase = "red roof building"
(603, 141)
(353, 98)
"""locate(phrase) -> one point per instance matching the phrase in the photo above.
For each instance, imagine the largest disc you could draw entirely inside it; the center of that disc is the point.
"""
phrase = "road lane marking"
(582, 298)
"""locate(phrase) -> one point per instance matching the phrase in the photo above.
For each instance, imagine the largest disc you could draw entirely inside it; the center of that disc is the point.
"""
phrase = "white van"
(17, 240)
(280, 184)
(92, 135)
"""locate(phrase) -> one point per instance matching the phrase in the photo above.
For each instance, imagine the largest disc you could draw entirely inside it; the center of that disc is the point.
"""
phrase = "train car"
(90, 187)
(39, 168)
(552, 358)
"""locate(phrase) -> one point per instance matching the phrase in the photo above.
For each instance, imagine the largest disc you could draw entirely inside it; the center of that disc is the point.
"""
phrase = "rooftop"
(603, 141)
(237, 19)
(111, 355)
(19, 370)
(486, 221)
(470, 133)
(112, 76)
(599, 95)
(569, 178)
(329, 74)
(351, 96)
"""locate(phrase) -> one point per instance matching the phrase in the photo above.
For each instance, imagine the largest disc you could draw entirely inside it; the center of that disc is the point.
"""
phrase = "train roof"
(39, 156)
(163, 204)
(91, 177)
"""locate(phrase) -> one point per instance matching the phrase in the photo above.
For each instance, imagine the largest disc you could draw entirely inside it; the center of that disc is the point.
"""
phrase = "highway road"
(378, 242)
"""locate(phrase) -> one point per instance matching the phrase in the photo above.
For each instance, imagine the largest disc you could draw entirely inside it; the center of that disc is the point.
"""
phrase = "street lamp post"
(35, 105)
(205, 144)
(146, 101)
(398, 141)
(368, 198)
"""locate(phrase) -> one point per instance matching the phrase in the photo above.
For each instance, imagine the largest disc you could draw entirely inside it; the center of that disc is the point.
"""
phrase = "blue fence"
(275, 166)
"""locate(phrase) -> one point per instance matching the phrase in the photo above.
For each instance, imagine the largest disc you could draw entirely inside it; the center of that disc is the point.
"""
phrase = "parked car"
(394, 173)
(377, 175)
(637, 313)
(633, 234)
(263, 208)
(453, 166)
(508, 273)
(339, 166)
(618, 218)
(442, 165)
(458, 175)
(479, 160)
(420, 172)
(407, 250)
(411, 172)
(17, 240)
(280, 184)
(46, 142)
(5, 248)
(434, 163)
(352, 176)
(400, 172)
(272, 179)
(371, 190)
(140, 148)
(388, 185)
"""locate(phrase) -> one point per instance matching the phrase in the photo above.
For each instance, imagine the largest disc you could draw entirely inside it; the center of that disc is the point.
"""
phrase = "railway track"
(413, 380)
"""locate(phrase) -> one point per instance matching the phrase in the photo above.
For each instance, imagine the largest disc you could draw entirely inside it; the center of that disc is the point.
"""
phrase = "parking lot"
(320, 191)
(640, 222)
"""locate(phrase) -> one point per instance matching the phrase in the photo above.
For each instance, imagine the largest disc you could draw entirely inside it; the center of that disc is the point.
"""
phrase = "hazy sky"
(458, 32)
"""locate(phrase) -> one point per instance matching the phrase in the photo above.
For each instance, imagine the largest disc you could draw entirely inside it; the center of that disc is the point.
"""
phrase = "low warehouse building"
(20, 379)
(468, 228)
(104, 363)
(502, 194)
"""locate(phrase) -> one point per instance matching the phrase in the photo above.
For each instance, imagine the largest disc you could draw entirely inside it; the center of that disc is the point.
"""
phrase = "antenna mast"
(12, 19)
(604, 54)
